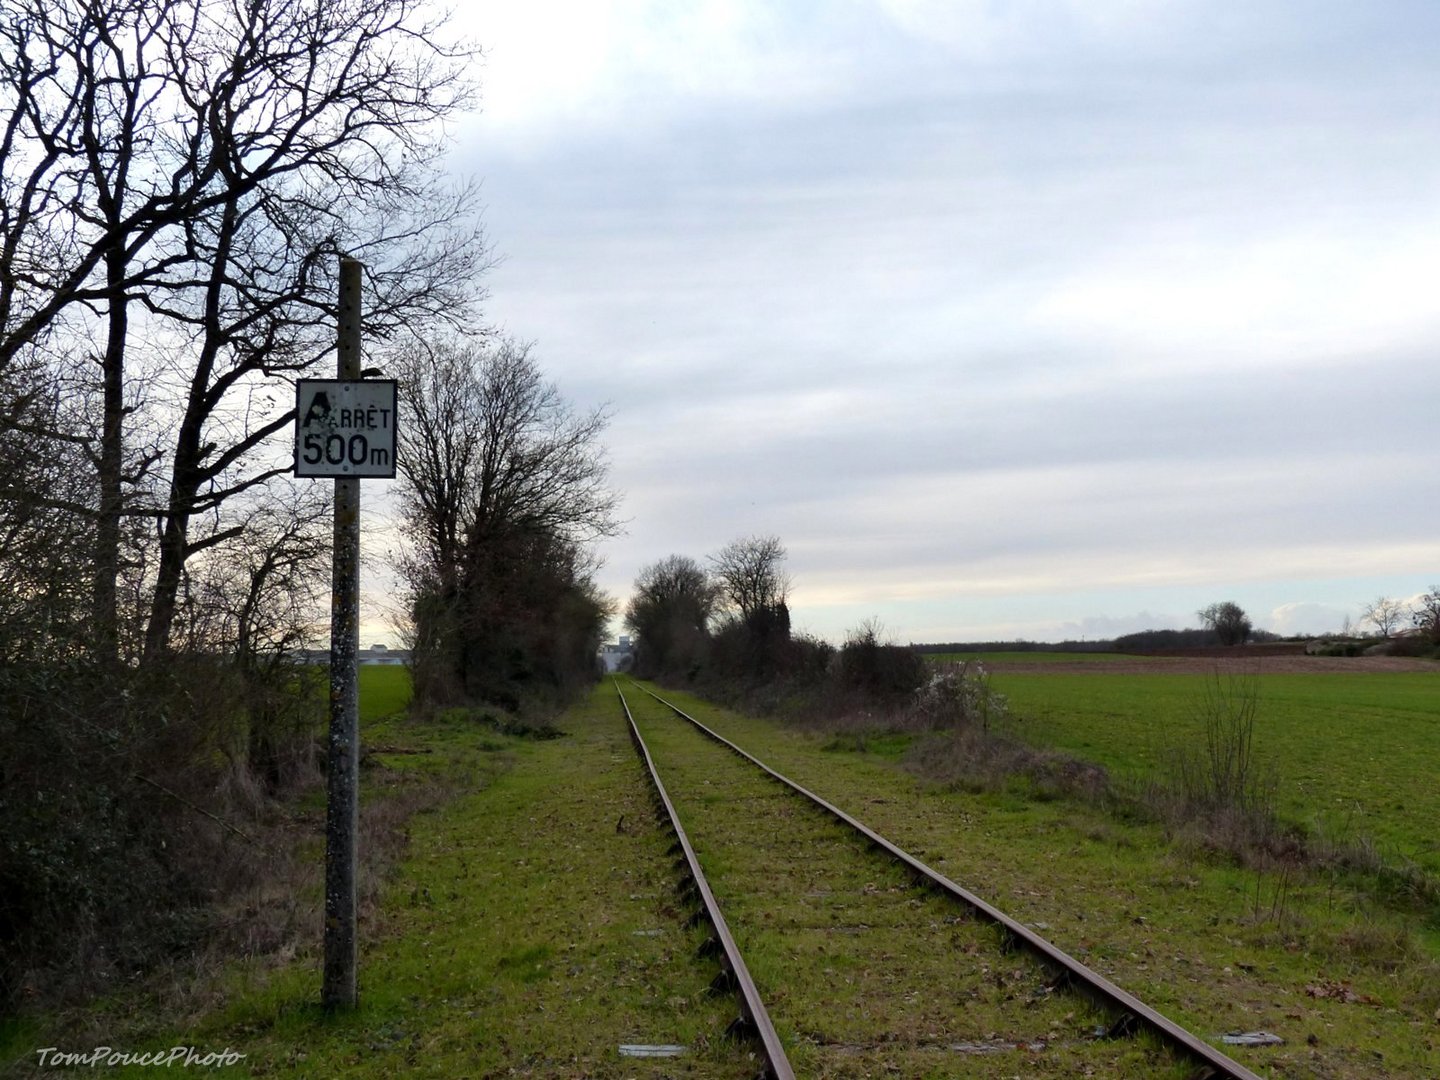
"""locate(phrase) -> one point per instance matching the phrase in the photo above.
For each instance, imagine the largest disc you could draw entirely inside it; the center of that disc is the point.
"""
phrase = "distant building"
(615, 655)
(375, 654)
(380, 654)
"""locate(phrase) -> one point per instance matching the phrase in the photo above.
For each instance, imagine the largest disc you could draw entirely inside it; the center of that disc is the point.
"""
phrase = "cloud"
(1310, 619)
(980, 30)
(627, 66)
(1278, 298)
(1127, 296)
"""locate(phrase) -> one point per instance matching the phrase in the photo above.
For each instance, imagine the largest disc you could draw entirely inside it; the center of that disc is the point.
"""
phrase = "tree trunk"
(112, 463)
(167, 580)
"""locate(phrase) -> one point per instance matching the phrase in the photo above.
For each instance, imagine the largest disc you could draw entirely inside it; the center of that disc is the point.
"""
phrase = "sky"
(1039, 319)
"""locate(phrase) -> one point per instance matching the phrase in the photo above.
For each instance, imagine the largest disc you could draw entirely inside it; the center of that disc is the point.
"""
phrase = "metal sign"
(345, 427)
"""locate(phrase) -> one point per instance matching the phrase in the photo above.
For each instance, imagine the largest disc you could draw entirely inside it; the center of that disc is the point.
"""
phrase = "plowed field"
(1290, 664)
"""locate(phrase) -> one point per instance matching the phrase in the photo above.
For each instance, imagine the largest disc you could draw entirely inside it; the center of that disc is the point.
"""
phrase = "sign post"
(344, 428)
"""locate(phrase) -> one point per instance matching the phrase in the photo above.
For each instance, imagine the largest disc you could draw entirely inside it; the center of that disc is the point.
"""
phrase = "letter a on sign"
(345, 427)
(318, 413)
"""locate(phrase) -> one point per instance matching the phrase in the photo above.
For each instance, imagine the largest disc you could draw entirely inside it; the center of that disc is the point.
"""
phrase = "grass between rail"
(865, 972)
(1350, 984)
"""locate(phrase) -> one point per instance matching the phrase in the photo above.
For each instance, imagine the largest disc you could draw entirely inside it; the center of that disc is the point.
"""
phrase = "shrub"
(973, 759)
(119, 794)
(1412, 645)
(958, 695)
(883, 672)
(1335, 648)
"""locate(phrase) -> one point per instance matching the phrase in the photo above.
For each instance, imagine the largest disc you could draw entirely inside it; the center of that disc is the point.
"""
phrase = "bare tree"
(502, 485)
(252, 598)
(489, 444)
(752, 577)
(1228, 620)
(670, 614)
(1384, 614)
(177, 181)
(46, 508)
(439, 452)
(753, 583)
(1425, 615)
(257, 592)
(185, 173)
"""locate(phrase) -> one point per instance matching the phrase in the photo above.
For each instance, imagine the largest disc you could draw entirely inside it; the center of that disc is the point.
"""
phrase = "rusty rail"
(1133, 1013)
(756, 1018)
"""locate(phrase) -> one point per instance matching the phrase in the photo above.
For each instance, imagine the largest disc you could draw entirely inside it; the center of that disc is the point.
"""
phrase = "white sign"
(345, 427)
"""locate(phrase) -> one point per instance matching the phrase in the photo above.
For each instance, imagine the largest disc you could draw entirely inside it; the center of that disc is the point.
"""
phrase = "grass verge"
(530, 929)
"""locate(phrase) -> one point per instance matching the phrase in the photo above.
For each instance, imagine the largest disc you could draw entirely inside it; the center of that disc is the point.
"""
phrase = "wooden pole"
(342, 808)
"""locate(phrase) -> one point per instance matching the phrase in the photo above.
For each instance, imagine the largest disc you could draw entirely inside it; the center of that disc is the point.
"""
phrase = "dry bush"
(884, 673)
(973, 759)
(1217, 795)
(971, 750)
(868, 687)
(1222, 774)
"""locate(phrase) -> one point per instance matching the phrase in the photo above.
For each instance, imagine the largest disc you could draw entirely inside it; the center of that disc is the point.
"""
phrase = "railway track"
(872, 962)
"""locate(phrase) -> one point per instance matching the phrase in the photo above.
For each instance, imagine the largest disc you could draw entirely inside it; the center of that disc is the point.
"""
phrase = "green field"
(384, 690)
(1355, 755)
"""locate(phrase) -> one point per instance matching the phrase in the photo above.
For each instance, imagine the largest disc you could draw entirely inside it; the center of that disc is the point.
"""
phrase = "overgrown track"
(1125, 1015)
(755, 1020)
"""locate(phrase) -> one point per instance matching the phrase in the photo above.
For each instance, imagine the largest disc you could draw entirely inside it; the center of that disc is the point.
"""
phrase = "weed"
(975, 760)
(1272, 905)
(520, 727)
(1220, 777)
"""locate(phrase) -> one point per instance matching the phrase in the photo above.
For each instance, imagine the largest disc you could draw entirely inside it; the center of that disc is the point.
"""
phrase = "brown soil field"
(1229, 664)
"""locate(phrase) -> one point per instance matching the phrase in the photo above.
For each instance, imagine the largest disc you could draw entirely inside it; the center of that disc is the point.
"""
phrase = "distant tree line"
(931, 649)
(730, 616)
(1204, 638)
(725, 626)
(1225, 623)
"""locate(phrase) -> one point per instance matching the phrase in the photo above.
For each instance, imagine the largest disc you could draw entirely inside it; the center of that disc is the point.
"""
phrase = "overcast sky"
(1035, 319)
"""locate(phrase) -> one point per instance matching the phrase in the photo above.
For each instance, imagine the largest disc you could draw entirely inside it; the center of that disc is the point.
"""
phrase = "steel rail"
(1086, 979)
(751, 1007)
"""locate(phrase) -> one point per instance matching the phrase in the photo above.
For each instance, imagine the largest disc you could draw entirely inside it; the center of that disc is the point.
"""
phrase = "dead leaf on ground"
(1339, 991)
